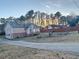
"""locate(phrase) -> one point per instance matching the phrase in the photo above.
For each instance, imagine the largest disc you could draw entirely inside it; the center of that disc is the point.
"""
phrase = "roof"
(29, 24)
(15, 24)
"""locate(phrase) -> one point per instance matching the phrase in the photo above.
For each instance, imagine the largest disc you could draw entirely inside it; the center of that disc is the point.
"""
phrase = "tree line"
(70, 19)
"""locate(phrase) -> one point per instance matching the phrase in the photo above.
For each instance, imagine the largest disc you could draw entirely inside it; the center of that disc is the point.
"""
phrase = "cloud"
(47, 6)
(52, 4)
(65, 6)
(59, 3)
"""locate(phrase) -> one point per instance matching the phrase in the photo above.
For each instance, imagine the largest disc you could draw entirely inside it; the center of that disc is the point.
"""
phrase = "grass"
(2, 37)
(17, 52)
(56, 37)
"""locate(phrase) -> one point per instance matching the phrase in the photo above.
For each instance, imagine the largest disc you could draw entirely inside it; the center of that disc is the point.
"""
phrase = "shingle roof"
(14, 24)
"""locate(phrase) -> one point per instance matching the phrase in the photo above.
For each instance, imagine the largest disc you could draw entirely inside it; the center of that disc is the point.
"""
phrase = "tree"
(3, 20)
(22, 18)
(29, 14)
(43, 15)
(72, 21)
(78, 19)
(51, 15)
(10, 18)
(57, 14)
(63, 19)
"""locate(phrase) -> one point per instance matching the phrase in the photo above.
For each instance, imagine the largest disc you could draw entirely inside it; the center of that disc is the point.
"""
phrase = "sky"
(16, 8)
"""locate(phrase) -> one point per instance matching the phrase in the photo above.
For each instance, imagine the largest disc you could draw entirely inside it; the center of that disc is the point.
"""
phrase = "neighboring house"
(2, 28)
(32, 29)
(15, 30)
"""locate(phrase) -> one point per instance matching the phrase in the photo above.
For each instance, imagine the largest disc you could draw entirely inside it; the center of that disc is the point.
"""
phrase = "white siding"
(8, 31)
(28, 31)
(18, 30)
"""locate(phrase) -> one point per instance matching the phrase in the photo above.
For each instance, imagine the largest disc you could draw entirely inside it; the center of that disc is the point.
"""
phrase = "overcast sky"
(17, 8)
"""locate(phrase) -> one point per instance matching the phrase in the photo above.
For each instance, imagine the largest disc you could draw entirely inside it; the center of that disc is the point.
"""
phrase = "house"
(2, 28)
(15, 30)
(31, 29)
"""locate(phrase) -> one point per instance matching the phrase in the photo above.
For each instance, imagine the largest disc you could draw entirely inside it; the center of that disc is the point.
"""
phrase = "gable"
(8, 26)
(8, 29)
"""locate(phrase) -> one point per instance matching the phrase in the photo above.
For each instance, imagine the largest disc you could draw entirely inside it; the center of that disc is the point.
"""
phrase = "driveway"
(74, 47)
